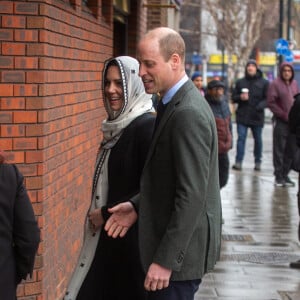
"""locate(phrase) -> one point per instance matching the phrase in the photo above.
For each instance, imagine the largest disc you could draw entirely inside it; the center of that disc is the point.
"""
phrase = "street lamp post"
(281, 19)
(289, 19)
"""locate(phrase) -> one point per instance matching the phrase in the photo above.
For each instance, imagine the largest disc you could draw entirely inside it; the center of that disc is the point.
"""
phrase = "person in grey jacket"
(250, 95)
(19, 232)
(179, 206)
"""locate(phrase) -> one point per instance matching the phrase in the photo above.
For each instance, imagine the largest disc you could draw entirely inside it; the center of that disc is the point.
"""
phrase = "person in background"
(20, 234)
(110, 269)
(198, 81)
(250, 95)
(220, 108)
(179, 203)
(294, 127)
(280, 100)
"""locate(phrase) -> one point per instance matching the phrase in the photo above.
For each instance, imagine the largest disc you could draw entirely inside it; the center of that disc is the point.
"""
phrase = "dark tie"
(160, 111)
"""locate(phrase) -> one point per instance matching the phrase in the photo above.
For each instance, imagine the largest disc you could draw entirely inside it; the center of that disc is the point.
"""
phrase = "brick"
(28, 143)
(26, 35)
(5, 117)
(13, 48)
(29, 170)
(6, 7)
(25, 90)
(13, 76)
(33, 288)
(40, 276)
(39, 259)
(6, 62)
(35, 102)
(16, 157)
(35, 22)
(13, 21)
(25, 117)
(35, 49)
(6, 143)
(34, 156)
(41, 221)
(32, 194)
(20, 290)
(35, 130)
(6, 90)
(12, 103)
(34, 183)
(25, 62)
(12, 130)
(6, 35)
(35, 77)
(27, 8)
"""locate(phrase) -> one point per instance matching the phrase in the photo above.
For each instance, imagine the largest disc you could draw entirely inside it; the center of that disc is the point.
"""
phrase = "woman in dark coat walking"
(19, 232)
(108, 268)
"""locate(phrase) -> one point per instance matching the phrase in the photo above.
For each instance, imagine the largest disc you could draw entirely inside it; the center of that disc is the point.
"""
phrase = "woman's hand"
(96, 219)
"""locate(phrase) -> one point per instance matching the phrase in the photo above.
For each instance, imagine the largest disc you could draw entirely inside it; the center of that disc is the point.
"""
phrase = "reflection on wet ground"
(259, 235)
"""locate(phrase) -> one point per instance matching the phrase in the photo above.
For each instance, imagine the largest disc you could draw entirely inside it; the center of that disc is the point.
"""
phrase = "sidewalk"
(259, 234)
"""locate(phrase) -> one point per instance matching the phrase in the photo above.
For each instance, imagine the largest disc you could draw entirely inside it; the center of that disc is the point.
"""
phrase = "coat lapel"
(167, 114)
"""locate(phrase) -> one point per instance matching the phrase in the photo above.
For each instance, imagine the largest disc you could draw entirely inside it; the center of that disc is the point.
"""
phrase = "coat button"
(180, 257)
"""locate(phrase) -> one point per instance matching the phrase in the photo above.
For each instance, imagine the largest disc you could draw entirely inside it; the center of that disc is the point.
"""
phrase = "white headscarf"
(136, 101)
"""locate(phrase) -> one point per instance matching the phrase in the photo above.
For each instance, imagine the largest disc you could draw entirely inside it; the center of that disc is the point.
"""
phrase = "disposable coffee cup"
(245, 90)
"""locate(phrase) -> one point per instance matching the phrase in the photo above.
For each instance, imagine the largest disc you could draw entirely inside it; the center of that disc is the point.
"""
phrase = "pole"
(289, 19)
(223, 63)
(223, 47)
(281, 19)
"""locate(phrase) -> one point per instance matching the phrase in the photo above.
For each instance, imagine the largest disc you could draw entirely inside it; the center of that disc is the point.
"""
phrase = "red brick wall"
(52, 53)
(157, 13)
(137, 25)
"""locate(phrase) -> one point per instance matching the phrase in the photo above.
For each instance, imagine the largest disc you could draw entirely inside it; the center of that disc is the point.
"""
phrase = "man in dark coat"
(250, 95)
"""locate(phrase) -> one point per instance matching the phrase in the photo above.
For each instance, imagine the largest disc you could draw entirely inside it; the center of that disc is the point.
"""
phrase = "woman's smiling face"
(113, 88)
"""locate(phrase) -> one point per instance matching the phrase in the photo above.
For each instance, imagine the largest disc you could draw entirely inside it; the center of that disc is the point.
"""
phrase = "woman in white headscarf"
(108, 268)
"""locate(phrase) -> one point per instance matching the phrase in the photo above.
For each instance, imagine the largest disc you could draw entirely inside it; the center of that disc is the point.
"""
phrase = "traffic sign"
(282, 46)
(289, 56)
(196, 59)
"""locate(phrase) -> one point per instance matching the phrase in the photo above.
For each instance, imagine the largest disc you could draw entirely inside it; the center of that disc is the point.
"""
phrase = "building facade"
(52, 54)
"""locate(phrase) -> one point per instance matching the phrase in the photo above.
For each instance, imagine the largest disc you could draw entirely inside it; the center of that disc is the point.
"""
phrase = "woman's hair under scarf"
(136, 101)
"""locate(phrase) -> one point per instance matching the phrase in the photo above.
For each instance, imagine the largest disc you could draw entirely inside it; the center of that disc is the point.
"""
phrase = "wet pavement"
(259, 237)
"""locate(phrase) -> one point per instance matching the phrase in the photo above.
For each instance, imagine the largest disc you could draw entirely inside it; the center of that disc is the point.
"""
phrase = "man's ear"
(175, 61)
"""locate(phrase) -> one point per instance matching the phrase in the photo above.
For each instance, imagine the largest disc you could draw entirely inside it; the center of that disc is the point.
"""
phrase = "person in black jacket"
(107, 268)
(250, 95)
(294, 127)
(19, 232)
(220, 108)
